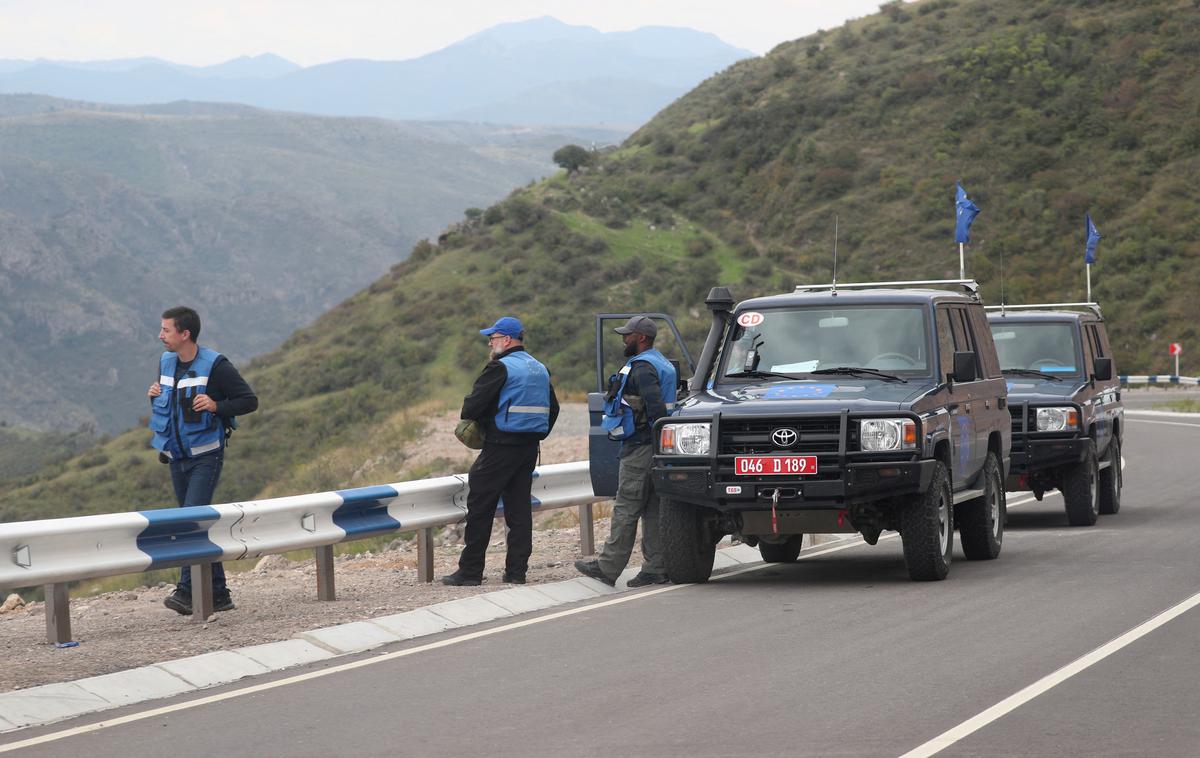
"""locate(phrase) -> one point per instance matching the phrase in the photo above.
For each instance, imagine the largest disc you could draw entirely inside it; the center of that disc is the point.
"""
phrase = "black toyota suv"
(1065, 401)
(835, 410)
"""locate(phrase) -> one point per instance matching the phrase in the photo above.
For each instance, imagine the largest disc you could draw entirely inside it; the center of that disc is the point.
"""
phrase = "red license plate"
(772, 465)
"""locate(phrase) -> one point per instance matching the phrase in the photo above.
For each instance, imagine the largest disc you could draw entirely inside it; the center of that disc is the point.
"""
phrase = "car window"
(945, 342)
(798, 340)
(963, 342)
(983, 340)
(1048, 346)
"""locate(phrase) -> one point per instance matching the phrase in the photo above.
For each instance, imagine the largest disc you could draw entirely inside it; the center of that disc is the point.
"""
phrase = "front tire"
(1081, 489)
(981, 521)
(782, 552)
(1111, 480)
(688, 549)
(927, 529)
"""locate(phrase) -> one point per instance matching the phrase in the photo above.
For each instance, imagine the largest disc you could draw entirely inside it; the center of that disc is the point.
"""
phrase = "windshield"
(1047, 346)
(889, 339)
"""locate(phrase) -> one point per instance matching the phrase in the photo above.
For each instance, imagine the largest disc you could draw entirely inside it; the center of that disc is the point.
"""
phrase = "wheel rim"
(994, 507)
(943, 523)
(1095, 490)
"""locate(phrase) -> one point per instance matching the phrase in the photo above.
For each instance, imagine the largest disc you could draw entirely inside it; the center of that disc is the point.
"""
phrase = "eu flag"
(966, 212)
(1093, 236)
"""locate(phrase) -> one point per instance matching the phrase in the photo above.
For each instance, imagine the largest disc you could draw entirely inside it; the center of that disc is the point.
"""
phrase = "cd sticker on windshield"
(750, 318)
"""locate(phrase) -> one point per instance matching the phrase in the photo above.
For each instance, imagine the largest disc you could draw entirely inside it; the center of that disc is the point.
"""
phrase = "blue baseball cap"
(509, 326)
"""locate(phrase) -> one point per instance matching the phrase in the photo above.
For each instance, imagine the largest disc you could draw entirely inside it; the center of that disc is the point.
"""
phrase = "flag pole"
(1089, 280)
(962, 269)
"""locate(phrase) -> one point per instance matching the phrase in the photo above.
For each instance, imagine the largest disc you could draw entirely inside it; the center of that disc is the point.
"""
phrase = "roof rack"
(1093, 307)
(970, 285)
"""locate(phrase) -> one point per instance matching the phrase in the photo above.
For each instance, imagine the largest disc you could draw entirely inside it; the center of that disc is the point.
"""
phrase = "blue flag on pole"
(1093, 236)
(966, 211)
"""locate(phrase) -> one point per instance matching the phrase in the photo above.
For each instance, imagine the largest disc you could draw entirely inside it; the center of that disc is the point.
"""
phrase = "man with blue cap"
(514, 402)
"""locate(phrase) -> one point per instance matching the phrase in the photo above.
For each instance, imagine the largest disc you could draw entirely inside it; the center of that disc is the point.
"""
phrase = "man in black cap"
(643, 392)
(513, 400)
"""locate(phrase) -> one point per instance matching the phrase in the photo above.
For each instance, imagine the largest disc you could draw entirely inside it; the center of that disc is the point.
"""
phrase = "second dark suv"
(1065, 401)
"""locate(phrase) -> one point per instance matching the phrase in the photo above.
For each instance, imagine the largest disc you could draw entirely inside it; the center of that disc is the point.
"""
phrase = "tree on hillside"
(572, 157)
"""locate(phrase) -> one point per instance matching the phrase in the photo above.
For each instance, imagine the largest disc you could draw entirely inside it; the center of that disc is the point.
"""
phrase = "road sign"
(1175, 348)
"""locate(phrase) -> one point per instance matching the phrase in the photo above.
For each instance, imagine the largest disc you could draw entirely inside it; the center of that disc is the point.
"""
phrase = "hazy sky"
(201, 32)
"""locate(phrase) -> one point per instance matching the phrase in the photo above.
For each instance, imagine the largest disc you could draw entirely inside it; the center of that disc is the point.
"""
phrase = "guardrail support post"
(58, 613)
(325, 590)
(587, 530)
(425, 555)
(202, 592)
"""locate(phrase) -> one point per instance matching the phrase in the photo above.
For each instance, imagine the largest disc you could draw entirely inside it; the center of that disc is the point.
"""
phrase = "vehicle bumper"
(859, 483)
(1030, 456)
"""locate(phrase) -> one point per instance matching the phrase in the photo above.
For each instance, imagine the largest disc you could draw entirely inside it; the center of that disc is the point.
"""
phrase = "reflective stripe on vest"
(524, 404)
(174, 436)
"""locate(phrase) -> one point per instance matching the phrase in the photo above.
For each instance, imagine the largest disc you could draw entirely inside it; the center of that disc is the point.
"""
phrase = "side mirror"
(964, 367)
(1102, 369)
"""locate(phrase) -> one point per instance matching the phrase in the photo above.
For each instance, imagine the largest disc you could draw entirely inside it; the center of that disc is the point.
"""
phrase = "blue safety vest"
(618, 416)
(525, 397)
(174, 434)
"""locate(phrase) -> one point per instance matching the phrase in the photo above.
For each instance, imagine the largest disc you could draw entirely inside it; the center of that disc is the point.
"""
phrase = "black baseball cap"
(639, 325)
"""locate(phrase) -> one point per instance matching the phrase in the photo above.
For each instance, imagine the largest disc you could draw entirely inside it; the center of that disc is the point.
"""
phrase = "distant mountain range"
(109, 214)
(532, 72)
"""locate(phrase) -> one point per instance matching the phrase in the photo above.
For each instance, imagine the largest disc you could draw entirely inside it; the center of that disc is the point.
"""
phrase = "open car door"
(602, 451)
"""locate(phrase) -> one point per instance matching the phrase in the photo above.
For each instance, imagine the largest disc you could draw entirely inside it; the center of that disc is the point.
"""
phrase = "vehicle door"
(993, 388)
(603, 452)
(963, 396)
(1104, 391)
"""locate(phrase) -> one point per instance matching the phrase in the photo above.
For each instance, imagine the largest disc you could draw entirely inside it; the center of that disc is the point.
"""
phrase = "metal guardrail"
(1158, 379)
(53, 552)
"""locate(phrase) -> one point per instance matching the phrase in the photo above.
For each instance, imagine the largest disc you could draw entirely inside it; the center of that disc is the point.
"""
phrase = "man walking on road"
(193, 405)
(514, 401)
(643, 392)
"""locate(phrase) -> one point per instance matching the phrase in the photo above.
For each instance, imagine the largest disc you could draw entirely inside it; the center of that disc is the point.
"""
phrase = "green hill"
(1045, 110)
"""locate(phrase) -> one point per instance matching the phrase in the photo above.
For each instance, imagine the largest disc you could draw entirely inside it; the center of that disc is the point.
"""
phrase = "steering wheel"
(912, 362)
(1046, 361)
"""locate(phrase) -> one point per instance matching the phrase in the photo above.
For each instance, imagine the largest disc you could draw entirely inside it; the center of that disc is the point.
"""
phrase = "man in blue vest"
(193, 404)
(514, 401)
(643, 392)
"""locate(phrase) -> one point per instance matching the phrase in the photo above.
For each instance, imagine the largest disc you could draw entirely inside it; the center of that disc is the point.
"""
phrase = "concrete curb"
(56, 702)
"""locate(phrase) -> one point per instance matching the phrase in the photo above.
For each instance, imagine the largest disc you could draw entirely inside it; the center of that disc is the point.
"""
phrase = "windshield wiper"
(1031, 372)
(756, 374)
(856, 371)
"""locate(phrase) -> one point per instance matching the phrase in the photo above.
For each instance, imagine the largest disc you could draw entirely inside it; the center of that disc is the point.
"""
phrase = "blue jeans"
(195, 481)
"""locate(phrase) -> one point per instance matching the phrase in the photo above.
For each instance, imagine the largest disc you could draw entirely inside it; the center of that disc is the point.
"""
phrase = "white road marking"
(1016, 700)
(384, 657)
(1165, 423)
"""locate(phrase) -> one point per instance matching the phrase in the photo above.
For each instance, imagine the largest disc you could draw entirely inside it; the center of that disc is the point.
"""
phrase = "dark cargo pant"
(636, 499)
(500, 471)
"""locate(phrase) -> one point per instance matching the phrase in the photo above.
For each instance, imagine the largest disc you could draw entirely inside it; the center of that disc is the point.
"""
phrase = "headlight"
(878, 434)
(683, 439)
(1057, 419)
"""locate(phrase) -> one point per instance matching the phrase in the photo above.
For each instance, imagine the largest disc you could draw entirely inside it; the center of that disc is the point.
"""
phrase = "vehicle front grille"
(1018, 411)
(817, 434)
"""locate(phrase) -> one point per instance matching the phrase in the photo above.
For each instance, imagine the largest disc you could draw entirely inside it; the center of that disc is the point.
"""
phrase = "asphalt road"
(838, 654)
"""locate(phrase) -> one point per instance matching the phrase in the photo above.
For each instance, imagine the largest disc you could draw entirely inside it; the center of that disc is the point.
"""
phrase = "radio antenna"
(835, 236)
(1001, 280)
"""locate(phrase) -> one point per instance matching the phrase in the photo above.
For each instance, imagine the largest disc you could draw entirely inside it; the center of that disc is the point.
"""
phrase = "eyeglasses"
(495, 337)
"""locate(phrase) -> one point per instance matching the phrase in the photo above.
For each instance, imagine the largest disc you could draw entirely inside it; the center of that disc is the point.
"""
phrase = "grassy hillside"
(1044, 109)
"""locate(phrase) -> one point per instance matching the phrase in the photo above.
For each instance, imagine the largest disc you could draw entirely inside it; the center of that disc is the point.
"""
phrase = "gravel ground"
(277, 599)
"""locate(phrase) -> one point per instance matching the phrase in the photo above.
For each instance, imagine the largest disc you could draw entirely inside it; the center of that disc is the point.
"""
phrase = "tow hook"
(774, 503)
